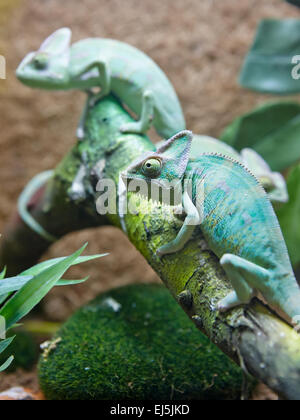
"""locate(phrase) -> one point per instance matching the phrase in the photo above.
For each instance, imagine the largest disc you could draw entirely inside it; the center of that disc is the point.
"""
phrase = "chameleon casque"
(235, 216)
(113, 66)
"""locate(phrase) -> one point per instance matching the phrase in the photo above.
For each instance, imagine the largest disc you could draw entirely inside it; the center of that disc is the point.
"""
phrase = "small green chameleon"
(114, 67)
(236, 217)
(273, 182)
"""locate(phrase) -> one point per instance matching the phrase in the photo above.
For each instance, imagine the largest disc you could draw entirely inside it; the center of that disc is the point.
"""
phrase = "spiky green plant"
(20, 294)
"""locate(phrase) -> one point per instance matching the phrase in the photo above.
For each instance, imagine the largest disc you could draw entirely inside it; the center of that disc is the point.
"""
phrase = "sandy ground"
(199, 44)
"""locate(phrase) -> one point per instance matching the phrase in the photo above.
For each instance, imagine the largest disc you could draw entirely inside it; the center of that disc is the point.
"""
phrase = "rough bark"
(264, 345)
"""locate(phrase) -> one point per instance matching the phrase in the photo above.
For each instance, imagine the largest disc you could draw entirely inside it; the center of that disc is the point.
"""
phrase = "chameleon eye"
(40, 61)
(152, 168)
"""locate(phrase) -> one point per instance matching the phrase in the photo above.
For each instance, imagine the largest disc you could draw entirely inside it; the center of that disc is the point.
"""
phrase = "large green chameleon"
(112, 66)
(236, 217)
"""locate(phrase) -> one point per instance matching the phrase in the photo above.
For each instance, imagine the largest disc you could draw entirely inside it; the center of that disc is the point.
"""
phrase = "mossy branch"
(265, 346)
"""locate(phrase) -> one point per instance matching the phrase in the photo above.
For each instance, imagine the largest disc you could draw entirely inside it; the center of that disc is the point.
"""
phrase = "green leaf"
(294, 2)
(2, 274)
(6, 364)
(63, 282)
(3, 298)
(33, 271)
(35, 290)
(289, 216)
(5, 343)
(272, 130)
(11, 284)
(268, 65)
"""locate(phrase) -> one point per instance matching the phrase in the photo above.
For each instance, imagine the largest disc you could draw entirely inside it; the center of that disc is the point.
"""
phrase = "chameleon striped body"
(113, 66)
(236, 218)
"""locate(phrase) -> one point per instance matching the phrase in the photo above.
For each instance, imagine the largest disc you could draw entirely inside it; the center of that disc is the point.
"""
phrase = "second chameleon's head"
(47, 68)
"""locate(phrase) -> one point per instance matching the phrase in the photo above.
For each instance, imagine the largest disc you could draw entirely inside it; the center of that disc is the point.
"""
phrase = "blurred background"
(199, 44)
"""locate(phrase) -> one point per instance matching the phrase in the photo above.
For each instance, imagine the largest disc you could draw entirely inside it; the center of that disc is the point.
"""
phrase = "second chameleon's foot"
(135, 128)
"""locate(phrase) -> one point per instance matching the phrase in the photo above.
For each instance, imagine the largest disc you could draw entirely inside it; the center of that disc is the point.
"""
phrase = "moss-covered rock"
(23, 348)
(135, 342)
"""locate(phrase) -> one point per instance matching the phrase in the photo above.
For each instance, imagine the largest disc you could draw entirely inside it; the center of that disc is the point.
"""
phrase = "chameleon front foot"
(135, 128)
(169, 248)
(147, 116)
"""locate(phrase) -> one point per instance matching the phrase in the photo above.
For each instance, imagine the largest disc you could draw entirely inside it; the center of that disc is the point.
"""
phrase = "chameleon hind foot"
(147, 116)
(230, 301)
(243, 276)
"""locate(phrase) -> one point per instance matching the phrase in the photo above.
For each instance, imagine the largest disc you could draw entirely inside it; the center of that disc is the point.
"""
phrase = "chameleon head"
(166, 165)
(47, 68)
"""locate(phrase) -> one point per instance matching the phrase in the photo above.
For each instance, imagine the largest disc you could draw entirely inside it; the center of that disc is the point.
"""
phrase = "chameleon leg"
(80, 128)
(192, 219)
(244, 276)
(32, 187)
(105, 82)
(147, 115)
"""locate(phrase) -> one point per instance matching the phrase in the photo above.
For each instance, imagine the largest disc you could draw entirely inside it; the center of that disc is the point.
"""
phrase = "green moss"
(146, 349)
(23, 348)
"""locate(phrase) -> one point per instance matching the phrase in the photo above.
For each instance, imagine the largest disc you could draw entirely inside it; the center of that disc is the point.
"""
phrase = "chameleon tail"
(32, 187)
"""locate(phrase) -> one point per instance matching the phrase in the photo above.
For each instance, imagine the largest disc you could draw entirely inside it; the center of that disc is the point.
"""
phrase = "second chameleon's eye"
(152, 168)
(40, 61)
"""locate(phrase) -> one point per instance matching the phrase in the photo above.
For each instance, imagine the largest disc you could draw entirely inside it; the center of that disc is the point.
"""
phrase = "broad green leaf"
(63, 282)
(12, 284)
(5, 343)
(6, 364)
(2, 274)
(33, 271)
(272, 130)
(289, 216)
(35, 290)
(294, 2)
(268, 65)
(3, 298)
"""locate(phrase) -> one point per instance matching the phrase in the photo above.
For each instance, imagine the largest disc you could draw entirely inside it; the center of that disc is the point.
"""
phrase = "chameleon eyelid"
(153, 158)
